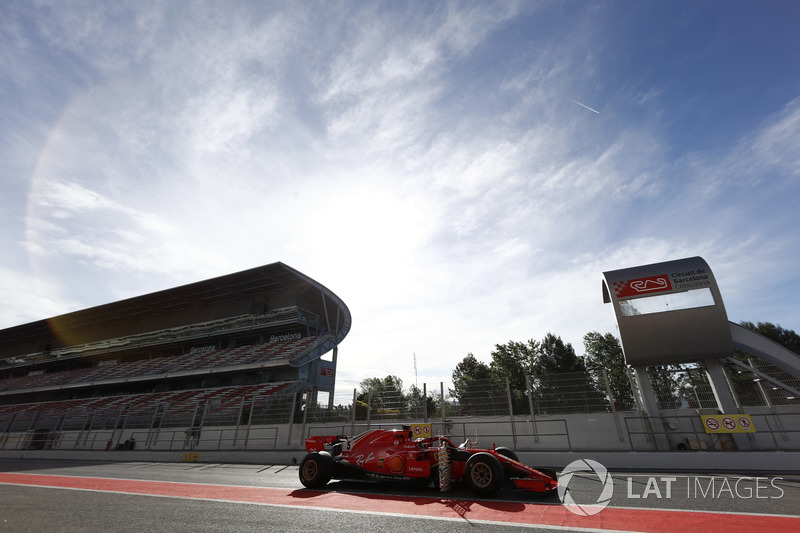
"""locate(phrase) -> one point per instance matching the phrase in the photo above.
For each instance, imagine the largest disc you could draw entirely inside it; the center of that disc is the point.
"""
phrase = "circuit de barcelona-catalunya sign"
(668, 312)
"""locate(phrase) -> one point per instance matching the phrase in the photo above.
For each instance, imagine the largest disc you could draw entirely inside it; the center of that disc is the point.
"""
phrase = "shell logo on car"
(396, 464)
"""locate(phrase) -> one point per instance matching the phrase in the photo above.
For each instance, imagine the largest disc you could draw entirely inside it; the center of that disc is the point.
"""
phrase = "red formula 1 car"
(394, 455)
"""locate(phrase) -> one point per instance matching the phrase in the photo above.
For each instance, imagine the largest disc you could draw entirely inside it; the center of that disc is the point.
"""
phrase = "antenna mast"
(416, 380)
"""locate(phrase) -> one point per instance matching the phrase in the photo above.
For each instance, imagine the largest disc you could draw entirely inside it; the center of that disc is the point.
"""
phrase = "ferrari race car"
(394, 455)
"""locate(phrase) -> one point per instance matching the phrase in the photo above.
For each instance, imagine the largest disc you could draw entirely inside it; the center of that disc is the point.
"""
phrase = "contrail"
(582, 105)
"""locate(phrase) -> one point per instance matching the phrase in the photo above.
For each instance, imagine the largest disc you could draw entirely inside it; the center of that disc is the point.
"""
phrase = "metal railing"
(216, 439)
(187, 439)
(686, 432)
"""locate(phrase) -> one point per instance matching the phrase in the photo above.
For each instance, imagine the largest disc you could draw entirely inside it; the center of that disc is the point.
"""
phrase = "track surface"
(71, 496)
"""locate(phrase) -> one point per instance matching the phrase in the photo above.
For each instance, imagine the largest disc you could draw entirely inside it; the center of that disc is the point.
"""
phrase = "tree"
(473, 383)
(555, 357)
(418, 404)
(561, 382)
(470, 369)
(514, 360)
(604, 352)
(385, 395)
(667, 389)
(785, 337)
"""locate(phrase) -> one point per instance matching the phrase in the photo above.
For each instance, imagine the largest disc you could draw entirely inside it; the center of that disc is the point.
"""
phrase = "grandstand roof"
(273, 285)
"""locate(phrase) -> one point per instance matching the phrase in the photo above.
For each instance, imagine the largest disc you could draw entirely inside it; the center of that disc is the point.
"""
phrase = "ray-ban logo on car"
(569, 492)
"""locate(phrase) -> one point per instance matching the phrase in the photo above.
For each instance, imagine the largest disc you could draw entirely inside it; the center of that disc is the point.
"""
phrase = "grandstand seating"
(264, 354)
(138, 410)
(163, 409)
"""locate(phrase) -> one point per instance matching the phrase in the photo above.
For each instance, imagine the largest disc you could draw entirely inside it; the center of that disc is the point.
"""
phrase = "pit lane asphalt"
(31, 508)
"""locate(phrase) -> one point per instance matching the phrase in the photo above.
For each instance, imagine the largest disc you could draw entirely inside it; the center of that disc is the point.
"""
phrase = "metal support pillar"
(724, 397)
(511, 413)
(612, 403)
(650, 405)
(529, 392)
(333, 389)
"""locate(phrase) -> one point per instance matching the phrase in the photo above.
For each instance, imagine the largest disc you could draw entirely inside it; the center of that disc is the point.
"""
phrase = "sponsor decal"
(287, 337)
(360, 459)
(202, 349)
(397, 464)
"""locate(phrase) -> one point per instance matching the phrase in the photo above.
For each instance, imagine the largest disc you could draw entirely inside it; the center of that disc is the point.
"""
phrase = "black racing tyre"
(511, 454)
(483, 474)
(316, 469)
(508, 452)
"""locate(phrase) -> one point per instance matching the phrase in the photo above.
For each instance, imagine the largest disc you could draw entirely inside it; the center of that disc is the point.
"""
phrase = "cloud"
(70, 221)
(421, 162)
(455, 213)
(41, 298)
(773, 148)
(66, 199)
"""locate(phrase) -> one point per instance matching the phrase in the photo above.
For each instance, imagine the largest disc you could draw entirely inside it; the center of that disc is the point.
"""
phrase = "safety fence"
(576, 392)
(676, 387)
(579, 410)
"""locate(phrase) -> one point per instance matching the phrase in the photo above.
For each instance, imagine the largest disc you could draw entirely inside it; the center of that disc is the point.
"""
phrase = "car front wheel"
(484, 474)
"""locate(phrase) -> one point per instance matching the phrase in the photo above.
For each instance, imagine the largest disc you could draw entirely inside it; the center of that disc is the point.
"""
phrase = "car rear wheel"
(316, 469)
(484, 474)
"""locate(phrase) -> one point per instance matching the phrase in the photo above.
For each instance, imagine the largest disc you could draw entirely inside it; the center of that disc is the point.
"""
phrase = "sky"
(460, 174)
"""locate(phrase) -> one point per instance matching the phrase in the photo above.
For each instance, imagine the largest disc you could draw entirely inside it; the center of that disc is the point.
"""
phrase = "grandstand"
(240, 349)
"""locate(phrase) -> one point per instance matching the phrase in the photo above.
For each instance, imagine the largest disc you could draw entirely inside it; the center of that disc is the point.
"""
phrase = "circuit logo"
(585, 509)
(641, 286)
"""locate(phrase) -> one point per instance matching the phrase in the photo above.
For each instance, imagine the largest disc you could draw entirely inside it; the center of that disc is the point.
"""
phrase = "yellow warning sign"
(421, 431)
(728, 424)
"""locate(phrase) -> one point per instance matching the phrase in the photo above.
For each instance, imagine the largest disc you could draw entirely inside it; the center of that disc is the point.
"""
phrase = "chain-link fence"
(381, 403)
(681, 388)
(770, 387)
(576, 392)
(675, 387)
(687, 387)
